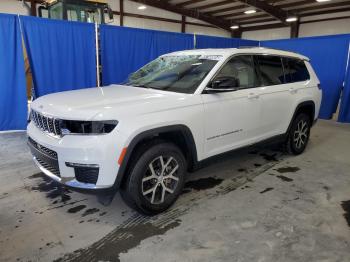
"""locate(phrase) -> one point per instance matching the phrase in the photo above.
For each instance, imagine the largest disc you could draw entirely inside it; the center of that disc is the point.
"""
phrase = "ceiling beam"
(280, 25)
(211, 5)
(266, 20)
(226, 9)
(293, 4)
(221, 23)
(324, 12)
(318, 7)
(190, 2)
(274, 11)
(36, 1)
(238, 16)
(163, 19)
(316, 10)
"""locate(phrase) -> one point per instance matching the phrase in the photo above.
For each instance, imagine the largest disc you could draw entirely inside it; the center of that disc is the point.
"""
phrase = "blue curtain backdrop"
(124, 50)
(62, 57)
(328, 55)
(62, 54)
(245, 42)
(13, 101)
(204, 41)
(344, 112)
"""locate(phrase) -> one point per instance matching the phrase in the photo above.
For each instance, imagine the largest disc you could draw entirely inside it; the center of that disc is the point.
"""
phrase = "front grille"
(47, 124)
(47, 166)
(42, 149)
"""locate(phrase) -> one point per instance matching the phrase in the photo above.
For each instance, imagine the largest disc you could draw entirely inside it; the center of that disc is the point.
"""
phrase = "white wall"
(325, 28)
(12, 7)
(267, 34)
(151, 24)
(200, 30)
(332, 27)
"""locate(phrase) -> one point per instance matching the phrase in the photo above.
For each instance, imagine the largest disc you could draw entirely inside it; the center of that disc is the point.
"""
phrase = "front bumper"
(54, 156)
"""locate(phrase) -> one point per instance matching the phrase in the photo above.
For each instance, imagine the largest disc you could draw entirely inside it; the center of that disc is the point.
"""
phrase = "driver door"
(232, 117)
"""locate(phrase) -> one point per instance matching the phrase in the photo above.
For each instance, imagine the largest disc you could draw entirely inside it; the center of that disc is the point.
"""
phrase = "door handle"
(253, 96)
(292, 90)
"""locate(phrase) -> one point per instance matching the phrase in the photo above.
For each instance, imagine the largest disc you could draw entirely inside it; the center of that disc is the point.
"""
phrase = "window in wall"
(241, 68)
(55, 12)
(271, 70)
(295, 70)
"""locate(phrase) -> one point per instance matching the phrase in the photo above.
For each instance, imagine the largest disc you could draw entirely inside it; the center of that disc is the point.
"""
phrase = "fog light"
(85, 173)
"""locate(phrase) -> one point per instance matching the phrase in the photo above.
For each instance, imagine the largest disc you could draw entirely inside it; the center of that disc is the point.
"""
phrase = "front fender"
(135, 140)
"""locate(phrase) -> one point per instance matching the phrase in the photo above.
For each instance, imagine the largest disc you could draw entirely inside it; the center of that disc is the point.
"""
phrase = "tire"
(299, 134)
(156, 179)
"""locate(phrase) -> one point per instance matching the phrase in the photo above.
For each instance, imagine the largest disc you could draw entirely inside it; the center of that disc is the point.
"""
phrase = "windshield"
(181, 74)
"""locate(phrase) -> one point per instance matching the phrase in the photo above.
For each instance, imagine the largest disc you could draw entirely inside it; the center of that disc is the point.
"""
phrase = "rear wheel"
(156, 179)
(299, 134)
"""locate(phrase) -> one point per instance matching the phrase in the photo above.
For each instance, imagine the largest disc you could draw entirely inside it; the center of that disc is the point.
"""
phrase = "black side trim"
(269, 141)
(153, 133)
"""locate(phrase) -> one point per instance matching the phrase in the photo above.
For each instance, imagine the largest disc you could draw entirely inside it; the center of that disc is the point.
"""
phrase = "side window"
(241, 68)
(295, 70)
(271, 70)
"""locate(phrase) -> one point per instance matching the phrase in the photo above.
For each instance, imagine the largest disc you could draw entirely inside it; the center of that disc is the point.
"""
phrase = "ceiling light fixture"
(321, 1)
(249, 12)
(292, 19)
(234, 27)
(142, 7)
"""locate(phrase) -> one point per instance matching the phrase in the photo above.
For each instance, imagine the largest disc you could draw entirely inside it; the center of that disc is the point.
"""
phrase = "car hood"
(108, 102)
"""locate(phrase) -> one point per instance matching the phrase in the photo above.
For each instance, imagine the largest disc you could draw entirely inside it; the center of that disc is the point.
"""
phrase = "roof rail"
(276, 49)
(262, 47)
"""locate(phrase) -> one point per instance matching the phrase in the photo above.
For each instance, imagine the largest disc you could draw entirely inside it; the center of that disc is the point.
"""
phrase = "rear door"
(276, 96)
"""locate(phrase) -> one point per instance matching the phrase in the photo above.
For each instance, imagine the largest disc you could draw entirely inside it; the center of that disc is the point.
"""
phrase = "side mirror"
(223, 84)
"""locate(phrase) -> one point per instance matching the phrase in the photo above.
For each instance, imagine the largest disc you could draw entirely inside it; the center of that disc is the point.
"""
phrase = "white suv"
(143, 136)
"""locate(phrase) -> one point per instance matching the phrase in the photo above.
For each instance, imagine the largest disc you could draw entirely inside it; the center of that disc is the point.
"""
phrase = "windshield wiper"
(142, 86)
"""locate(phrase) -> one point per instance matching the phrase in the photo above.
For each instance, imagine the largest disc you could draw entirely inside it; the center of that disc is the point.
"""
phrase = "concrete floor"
(254, 205)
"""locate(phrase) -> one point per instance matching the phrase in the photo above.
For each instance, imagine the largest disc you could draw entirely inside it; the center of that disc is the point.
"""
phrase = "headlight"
(72, 127)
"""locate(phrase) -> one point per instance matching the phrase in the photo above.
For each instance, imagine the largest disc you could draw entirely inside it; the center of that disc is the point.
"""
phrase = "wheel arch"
(308, 107)
(180, 135)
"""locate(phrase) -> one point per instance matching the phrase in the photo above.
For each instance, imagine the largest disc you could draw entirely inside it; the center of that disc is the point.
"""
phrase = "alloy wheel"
(301, 134)
(160, 180)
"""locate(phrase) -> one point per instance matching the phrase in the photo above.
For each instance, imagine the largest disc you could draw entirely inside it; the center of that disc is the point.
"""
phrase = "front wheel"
(299, 134)
(156, 179)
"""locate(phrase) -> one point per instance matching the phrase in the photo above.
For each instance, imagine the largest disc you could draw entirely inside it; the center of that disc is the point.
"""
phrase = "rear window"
(271, 70)
(295, 70)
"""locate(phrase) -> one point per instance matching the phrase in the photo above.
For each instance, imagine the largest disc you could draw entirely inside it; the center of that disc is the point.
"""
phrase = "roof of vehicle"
(242, 50)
